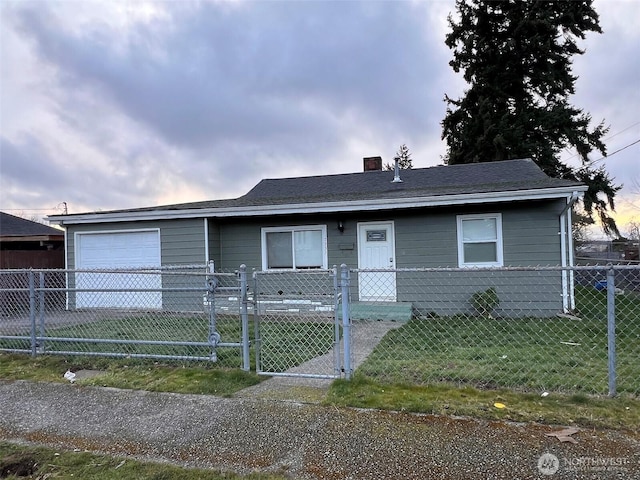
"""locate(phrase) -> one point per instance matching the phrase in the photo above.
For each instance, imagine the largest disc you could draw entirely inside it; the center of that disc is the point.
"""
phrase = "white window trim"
(499, 248)
(296, 228)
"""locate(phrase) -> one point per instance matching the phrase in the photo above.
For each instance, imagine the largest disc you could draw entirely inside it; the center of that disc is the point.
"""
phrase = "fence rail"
(523, 328)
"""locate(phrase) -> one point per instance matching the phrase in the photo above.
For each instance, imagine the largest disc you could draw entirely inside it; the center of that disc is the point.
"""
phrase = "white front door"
(376, 251)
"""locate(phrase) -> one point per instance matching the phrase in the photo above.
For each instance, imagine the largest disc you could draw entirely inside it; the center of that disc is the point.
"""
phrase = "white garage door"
(118, 250)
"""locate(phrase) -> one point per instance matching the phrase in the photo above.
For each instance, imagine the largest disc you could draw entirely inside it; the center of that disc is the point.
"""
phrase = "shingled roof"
(441, 180)
(437, 183)
(12, 226)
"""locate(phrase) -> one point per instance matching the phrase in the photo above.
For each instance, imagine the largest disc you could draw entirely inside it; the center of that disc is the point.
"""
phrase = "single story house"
(495, 214)
(28, 244)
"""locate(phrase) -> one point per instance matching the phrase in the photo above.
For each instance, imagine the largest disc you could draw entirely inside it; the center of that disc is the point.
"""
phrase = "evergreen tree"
(403, 156)
(516, 57)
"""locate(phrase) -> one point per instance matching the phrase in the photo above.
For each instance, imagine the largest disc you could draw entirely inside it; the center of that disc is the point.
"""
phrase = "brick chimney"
(372, 164)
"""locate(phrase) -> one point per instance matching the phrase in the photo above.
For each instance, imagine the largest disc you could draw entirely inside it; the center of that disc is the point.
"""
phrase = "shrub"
(484, 302)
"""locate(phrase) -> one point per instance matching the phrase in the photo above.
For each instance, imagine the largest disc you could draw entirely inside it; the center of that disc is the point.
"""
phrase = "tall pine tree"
(516, 57)
(403, 157)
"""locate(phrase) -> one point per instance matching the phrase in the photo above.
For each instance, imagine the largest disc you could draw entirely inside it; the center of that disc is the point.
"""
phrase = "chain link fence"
(167, 313)
(528, 329)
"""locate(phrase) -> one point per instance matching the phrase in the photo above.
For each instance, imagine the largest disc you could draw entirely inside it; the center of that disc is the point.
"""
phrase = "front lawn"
(528, 354)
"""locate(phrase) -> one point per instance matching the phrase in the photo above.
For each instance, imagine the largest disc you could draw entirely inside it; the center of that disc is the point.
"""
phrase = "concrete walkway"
(365, 337)
(301, 440)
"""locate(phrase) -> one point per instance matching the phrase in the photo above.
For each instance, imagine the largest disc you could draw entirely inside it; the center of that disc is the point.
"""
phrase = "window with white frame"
(302, 247)
(480, 240)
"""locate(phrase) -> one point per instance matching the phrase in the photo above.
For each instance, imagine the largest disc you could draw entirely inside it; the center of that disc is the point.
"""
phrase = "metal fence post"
(336, 322)
(346, 320)
(32, 312)
(41, 308)
(245, 318)
(214, 336)
(257, 341)
(611, 328)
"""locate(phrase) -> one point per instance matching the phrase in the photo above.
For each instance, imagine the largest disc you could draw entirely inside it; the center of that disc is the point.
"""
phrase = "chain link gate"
(298, 327)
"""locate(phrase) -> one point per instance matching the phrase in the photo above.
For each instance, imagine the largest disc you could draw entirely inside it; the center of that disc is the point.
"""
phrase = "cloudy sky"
(112, 104)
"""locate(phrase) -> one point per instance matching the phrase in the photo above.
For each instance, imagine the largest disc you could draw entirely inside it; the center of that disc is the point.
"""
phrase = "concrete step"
(389, 311)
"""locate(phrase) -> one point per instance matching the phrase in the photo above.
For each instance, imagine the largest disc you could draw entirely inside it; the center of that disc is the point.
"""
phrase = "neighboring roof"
(16, 228)
(372, 190)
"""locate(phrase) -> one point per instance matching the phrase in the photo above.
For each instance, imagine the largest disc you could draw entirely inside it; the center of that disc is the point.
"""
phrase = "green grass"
(457, 364)
(20, 461)
(285, 345)
(440, 399)
(140, 374)
(527, 354)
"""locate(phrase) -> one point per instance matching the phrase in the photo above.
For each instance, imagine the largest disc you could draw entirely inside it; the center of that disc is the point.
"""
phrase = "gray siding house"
(495, 214)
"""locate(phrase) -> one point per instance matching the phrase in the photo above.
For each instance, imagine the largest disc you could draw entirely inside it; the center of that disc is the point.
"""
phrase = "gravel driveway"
(304, 440)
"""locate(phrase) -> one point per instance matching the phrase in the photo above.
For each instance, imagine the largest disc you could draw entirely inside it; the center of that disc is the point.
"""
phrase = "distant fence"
(523, 328)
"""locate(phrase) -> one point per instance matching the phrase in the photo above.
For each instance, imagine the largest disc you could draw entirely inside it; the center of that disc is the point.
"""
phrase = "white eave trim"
(324, 207)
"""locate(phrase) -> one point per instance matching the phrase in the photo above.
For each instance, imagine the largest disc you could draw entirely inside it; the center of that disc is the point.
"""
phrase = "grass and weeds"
(442, 399)
(139, 374)
(360, 392)
(463, 365)
(557, 354)
(456, 365)
(22, 461)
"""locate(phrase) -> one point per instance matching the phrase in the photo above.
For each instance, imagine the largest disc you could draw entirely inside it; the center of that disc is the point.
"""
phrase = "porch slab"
(383, 311)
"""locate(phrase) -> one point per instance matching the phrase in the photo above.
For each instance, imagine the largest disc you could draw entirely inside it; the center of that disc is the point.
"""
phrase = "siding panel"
(530, 238)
